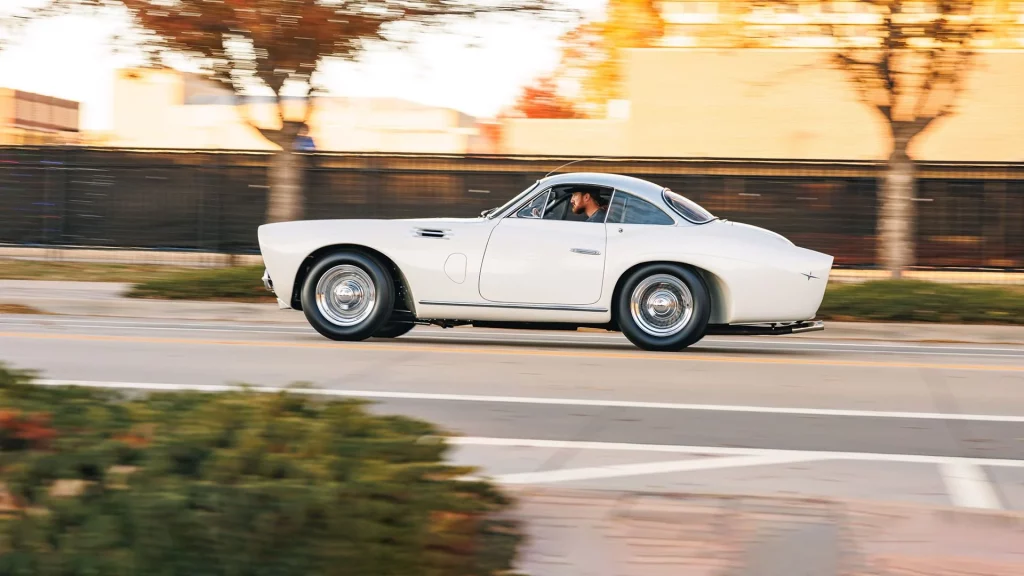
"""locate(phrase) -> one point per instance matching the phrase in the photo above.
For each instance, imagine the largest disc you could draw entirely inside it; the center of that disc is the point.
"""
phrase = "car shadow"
(568, 344)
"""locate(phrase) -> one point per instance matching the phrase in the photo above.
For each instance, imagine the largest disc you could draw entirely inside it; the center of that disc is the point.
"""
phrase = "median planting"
(888, 300)
(916, 301)
(882, 301)
(97, 482)
(239, 283)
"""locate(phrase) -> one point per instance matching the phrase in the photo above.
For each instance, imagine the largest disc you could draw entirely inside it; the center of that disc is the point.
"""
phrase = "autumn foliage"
(542, 100)
(591, 70)
(277, 45)
(20, 431)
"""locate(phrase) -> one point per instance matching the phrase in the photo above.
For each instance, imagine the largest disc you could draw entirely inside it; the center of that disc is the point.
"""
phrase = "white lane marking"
(968, 486)
(623, 470)
(539, 400)
(730, 451)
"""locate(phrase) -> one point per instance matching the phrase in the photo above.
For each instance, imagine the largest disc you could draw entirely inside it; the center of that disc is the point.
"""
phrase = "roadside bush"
(916, 301)
(242, 283)
(92, 483)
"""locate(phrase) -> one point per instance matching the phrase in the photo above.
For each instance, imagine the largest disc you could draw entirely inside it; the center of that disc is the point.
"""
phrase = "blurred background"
(123, 125)
(142, 142)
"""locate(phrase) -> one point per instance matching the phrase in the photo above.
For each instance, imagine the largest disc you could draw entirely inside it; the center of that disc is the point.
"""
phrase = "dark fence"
(968, 215)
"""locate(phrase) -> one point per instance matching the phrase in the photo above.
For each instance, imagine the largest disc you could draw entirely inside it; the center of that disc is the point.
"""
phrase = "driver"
(586, 201)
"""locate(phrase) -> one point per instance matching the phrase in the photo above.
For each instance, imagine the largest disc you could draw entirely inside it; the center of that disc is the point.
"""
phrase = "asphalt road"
(937, 423)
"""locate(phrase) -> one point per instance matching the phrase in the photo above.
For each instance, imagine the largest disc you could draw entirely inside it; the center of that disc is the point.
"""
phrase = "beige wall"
(989, 120)
(35, 119)
(564, 137)
(6, 107)
(750, 104)
(784, 103)
(150, 112)
(374, 125)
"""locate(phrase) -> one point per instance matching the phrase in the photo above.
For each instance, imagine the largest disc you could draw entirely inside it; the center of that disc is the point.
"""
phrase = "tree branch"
(310, 104)
(279, 107)
(271, 135)
(864, 75)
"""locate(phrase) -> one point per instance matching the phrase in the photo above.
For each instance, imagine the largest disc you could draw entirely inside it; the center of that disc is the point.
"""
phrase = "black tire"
(360, 328)
(689, 333)
(394, 330)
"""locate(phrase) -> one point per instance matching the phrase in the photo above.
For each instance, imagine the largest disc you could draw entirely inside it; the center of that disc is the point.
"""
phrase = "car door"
(533, 259)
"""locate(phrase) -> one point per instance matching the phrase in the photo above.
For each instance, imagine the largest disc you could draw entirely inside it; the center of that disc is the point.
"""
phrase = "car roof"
(642, 188)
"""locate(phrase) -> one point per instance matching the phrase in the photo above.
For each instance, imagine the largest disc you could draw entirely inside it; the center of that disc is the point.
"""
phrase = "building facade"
(28, 119)
(785, 103)
(162, 108)
(806, 24)
(757, 80)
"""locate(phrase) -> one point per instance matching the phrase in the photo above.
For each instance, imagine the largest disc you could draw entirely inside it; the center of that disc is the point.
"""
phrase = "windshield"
(491, 213)
(688, 208)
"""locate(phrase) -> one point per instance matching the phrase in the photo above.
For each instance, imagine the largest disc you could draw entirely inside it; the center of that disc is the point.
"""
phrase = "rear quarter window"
(628, 209)
(687, 208)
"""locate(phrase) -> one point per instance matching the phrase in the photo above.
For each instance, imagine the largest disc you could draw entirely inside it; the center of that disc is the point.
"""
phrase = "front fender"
(285, 246)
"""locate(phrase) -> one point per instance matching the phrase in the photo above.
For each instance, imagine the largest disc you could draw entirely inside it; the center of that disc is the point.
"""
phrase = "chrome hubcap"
(661, 305)
(345, 295)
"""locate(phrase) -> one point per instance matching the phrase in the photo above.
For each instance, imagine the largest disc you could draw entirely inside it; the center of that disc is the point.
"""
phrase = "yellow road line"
(502, 351)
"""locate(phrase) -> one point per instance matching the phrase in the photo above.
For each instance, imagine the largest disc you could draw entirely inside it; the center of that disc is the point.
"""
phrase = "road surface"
(897, 421)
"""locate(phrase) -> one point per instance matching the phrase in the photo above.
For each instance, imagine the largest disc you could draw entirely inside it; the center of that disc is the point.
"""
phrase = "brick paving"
(603, 533)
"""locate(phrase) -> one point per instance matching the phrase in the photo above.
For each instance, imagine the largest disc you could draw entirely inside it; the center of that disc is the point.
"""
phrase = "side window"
(535, 209)
(628, 209)
(557, 208)
(555, 203)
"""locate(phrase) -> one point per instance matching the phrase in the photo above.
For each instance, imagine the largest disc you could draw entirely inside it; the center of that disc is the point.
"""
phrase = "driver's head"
(584, 201)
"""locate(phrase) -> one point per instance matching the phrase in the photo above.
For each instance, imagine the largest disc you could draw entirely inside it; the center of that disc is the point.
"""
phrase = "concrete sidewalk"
(594, 533)
(105, 299)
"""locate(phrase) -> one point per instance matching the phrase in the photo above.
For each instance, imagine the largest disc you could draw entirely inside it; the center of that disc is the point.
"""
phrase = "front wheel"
(348, 296)
(663, 307)
(394, 330)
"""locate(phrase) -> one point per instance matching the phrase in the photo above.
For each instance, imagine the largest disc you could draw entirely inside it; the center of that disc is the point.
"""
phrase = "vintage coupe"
(660, 269)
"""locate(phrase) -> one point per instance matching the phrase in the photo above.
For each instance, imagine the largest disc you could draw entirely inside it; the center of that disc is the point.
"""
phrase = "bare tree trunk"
(285, 199)
(896, 223)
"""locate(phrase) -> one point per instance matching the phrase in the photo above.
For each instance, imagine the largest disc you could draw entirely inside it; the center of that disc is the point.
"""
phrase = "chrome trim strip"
(585, 251)
(551, 307)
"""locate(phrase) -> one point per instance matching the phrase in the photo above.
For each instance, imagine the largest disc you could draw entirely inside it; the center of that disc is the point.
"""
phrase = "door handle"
(585, 251)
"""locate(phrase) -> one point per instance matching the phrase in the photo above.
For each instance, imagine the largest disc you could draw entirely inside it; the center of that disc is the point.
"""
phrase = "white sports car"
(572, 250)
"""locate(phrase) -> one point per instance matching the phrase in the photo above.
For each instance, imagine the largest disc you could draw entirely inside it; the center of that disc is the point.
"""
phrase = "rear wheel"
(348, 296)
(663, 307)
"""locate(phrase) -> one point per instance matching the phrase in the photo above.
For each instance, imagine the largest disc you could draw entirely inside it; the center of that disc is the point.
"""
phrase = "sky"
(477, 70)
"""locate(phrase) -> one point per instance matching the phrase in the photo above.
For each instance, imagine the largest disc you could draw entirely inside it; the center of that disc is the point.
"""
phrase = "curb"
(195, 310)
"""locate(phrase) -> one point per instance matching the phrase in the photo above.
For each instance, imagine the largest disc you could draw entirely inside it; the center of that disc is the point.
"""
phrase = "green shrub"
(233, 484)
(236, 283)
(916, 301)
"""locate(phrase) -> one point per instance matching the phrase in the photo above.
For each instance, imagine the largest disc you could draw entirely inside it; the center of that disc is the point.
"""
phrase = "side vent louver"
(430, 232)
